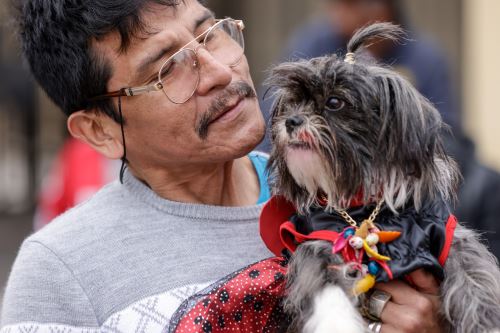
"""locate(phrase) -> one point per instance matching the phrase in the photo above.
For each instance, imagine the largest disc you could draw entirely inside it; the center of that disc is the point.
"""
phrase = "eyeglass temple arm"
(130, 91)
(142, 90)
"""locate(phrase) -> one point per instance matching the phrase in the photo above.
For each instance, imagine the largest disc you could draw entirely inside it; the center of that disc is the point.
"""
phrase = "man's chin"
(252, 139)
(238, 143)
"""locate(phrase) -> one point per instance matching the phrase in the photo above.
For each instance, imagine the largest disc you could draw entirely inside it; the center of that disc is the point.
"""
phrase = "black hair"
(56, 38)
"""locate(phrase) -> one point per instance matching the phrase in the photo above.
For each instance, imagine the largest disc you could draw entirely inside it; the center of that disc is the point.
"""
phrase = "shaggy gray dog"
(346, 128)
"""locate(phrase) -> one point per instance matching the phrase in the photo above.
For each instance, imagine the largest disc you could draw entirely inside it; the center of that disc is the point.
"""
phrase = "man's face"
(159, 133)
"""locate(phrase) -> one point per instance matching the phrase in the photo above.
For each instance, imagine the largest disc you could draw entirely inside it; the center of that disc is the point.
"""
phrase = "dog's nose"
(292, 123)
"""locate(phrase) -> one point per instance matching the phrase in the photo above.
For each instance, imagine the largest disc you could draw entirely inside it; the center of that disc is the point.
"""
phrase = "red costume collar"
(276, 232)
(275, 212)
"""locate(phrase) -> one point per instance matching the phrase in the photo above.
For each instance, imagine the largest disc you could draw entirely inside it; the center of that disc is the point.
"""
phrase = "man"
(182, 114)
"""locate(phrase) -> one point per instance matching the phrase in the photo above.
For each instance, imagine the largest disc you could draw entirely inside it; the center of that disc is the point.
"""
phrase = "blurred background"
(453, 61)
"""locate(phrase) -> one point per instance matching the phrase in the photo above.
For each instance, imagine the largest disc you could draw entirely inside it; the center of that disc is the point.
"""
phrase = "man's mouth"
(229, 112)
(225, 107)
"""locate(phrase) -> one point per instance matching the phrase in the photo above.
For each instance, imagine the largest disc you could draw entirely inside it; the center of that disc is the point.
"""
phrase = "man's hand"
(412, 310)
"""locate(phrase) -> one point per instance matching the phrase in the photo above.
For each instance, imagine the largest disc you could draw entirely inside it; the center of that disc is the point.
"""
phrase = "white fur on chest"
(334, 312)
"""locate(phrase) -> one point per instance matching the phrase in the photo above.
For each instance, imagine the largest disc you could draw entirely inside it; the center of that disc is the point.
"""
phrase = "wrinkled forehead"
(154, 21)
(160, 28)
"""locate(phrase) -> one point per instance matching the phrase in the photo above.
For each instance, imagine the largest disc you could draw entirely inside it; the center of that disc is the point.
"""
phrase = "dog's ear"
(410, 139)
(410, 126)
(410, 146)
(276, 109)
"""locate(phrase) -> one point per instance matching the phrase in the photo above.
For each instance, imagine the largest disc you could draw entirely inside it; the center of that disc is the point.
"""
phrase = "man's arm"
(42, 290)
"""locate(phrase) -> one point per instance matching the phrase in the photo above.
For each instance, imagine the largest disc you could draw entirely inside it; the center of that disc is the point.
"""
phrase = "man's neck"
(233, 183)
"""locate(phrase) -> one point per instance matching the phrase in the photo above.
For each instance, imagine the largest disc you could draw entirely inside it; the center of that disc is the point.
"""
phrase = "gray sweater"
(124, 261)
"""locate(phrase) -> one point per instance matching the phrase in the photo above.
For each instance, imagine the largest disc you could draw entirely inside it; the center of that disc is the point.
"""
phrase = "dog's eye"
(334, 104)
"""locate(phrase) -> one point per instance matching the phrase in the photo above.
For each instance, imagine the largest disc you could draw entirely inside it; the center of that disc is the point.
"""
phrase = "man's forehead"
(155, 20)
(162, 26)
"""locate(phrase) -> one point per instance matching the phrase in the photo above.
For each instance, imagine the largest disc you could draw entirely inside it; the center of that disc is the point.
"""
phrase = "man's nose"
(213, 73)
(292, 123)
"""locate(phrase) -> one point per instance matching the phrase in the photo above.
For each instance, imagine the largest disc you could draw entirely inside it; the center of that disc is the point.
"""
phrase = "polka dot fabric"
(248, 302)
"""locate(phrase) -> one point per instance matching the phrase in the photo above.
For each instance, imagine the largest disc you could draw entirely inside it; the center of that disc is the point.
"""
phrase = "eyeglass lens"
(180, 75)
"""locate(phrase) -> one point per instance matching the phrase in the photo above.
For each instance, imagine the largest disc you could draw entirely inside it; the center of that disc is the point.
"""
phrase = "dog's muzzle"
(292, 123)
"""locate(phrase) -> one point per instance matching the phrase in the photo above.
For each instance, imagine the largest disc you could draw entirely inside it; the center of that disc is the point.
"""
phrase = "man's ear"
(98, 130)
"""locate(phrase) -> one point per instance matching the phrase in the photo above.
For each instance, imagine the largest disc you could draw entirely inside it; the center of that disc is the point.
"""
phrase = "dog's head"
(345, 126)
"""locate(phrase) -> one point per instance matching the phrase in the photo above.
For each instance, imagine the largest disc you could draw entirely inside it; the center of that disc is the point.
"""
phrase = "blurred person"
(165, 87)
(77, 172)
(422, 62)
(479, 194)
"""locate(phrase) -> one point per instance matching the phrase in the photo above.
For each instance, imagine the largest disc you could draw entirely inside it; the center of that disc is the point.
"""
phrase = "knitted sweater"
(124, 260)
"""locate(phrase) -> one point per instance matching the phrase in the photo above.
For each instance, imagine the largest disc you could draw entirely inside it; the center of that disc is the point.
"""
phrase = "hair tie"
(349, 58)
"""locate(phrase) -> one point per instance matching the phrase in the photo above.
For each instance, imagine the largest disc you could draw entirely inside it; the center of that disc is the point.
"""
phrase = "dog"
(352, 140)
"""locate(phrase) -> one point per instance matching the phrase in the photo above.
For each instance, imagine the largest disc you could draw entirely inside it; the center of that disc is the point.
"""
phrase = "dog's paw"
(334, 312)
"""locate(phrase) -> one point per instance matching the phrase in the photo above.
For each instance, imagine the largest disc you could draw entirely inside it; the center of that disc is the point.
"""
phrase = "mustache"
(239, 89)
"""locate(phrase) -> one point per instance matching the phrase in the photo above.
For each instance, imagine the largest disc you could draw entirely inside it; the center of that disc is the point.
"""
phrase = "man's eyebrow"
(206, 15)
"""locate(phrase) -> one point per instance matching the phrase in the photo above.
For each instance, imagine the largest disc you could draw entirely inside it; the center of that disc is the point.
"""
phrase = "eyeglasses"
(179, 75)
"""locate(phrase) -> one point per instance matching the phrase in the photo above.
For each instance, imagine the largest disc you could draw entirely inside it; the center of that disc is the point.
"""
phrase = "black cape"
(424, 242)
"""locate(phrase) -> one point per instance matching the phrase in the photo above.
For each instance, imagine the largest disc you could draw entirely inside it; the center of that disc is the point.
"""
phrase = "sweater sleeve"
(42, 291)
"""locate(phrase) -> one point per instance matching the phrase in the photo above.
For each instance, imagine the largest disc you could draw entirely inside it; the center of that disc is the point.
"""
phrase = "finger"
(415, 303)
(392, 313)
(425, 282)
(401, 292)
(386, 328)
(401, 318)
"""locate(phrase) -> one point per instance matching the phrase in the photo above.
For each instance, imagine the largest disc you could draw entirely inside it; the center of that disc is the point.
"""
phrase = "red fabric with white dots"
(249, 302)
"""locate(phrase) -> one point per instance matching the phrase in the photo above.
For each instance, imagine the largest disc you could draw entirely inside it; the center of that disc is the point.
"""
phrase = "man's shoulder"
(80, 220)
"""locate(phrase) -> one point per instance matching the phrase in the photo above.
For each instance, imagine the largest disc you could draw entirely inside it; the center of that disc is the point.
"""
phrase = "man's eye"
(214, 36)
(209, 37)
(167, 69)
(334, 104)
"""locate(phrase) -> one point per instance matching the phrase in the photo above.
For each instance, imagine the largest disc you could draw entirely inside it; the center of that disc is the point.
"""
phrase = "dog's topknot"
(382, 31)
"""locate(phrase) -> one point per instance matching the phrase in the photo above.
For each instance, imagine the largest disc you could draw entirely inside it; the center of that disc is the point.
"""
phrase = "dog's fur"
(339, 127)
